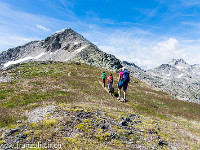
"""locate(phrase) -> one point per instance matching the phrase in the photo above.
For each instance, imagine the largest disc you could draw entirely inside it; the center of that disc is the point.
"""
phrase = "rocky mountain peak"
(66, 40)
(178, 62)
(62, 46)
(66, 34)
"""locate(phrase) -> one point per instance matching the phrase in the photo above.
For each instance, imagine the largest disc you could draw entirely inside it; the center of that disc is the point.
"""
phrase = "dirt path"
(103, 87)
(69, 74)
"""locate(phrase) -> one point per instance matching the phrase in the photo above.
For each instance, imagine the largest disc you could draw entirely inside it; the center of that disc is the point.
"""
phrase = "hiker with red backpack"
(110, 82)
(103, 78)
(123, 80)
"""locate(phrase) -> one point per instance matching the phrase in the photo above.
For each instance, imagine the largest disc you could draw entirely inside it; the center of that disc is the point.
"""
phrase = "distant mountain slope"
(135, 71)
(61, 46)
(176, 78)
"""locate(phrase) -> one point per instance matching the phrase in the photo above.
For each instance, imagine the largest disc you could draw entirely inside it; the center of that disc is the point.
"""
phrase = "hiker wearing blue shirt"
(123, 82)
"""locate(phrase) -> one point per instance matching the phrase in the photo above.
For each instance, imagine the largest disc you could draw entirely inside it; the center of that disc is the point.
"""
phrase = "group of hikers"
(123, 80)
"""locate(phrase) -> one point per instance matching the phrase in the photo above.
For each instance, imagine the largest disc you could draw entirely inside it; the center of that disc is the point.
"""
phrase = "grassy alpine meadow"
(65, 103)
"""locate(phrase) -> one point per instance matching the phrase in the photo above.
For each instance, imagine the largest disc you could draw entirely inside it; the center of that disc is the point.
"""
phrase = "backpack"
(126, 78)
(110, 79)
(103, 76)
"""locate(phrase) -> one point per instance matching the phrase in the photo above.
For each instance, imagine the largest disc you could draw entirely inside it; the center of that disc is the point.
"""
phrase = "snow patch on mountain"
(22, 60)
(40, 55)
(181, 75)
(17, 61)
(80, 49)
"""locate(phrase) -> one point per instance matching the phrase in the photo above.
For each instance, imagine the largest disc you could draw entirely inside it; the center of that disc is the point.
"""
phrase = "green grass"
(5, 93)
(9, 117)
(22, 99)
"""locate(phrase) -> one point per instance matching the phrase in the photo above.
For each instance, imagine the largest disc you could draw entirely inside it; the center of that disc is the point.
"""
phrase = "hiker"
(103, 78)
(110, 82)
(123, 82)
(174, 96)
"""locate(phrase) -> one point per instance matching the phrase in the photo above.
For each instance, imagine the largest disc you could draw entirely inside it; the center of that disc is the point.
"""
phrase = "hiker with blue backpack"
(123, 80)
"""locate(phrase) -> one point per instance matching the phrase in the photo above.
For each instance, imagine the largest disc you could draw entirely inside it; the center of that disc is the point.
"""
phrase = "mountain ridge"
(61, 46)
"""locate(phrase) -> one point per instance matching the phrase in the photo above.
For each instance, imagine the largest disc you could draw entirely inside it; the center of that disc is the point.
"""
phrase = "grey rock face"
(62, 46)
(94, 56)
(134, 69)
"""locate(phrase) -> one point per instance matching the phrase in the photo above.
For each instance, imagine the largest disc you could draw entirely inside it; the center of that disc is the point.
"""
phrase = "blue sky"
(146, 32)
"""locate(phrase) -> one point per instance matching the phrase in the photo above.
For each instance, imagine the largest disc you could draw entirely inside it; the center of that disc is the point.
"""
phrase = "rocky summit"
(62, 46)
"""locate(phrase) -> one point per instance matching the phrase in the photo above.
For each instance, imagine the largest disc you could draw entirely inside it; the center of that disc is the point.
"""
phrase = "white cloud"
(42, 27)
(193, 24)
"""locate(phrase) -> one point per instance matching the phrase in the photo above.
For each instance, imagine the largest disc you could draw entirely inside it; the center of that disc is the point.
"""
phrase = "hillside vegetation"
(52, 103)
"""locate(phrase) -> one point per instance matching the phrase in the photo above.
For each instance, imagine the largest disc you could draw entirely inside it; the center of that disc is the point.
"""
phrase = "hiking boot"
(124, 100)
(119, 98)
